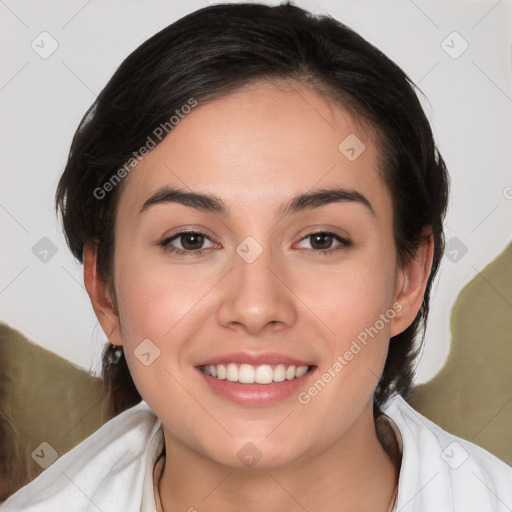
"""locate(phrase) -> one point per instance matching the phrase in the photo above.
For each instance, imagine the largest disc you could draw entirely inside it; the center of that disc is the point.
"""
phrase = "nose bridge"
(256, 296)
(252, 266)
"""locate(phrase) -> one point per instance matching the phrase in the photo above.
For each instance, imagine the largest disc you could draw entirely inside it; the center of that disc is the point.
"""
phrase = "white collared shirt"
(154, 465)
(116, 469)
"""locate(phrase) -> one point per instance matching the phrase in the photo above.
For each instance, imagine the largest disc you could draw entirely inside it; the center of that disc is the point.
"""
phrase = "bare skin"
(256, 149)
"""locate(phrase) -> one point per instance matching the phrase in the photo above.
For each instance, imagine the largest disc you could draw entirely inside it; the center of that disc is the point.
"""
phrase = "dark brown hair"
(214, 51)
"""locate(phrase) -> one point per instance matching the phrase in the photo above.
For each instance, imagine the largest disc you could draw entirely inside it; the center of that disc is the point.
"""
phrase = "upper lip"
(254, 359)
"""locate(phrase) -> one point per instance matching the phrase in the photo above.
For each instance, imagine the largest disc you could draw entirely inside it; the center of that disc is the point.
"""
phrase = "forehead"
(262, 143)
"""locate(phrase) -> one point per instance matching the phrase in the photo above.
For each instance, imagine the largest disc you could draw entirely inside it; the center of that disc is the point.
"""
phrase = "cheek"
(153, 302)
(356, 295)
(154, 310)
(161, 303)
(358, 311)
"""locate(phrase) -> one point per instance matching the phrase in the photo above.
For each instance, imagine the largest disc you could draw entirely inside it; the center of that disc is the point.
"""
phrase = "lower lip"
(257, 395)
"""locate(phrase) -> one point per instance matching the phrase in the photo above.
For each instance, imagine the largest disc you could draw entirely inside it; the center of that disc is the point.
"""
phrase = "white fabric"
(109, 470)
(150, 498)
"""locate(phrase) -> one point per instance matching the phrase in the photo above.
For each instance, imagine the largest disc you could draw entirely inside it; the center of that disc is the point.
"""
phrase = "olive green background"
(471, 396)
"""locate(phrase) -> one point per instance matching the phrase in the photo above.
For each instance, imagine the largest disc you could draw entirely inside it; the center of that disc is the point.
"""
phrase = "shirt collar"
(154, 466)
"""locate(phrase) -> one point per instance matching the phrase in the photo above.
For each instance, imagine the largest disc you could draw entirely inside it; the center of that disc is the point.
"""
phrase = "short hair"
(217, 50)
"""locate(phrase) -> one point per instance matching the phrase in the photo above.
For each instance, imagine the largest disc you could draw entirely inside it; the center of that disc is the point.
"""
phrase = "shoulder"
(105, 471)
(441, 471)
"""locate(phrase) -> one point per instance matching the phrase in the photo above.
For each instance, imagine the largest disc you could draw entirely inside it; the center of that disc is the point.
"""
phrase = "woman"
(258, 202)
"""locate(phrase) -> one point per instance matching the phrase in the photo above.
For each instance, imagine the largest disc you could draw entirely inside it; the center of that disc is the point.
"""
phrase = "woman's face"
(256, 287)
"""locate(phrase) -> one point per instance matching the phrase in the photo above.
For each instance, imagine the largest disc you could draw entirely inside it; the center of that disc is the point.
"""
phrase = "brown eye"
(186, 243)
(192, 241)
(322, 242)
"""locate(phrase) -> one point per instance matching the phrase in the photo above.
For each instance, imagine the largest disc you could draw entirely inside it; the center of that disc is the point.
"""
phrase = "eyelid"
(183, 230)
(327, 229)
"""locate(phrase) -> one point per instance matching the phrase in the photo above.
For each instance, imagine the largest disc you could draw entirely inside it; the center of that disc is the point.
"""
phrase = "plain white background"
(58, 55)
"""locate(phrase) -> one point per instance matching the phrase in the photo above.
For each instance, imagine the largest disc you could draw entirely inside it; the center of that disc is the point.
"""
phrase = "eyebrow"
(214, 204)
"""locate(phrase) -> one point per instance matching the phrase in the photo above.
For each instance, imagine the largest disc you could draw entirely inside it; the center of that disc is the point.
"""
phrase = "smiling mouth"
(250, 374)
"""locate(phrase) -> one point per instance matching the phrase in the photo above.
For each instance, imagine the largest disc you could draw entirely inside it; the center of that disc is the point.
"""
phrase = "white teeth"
(232, 372)
(221, 371)
(264, 374)
(301, 370)
(279, 373)
(248, 374)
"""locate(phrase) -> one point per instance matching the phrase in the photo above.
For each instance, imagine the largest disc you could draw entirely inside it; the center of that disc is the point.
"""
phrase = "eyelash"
(165, 244)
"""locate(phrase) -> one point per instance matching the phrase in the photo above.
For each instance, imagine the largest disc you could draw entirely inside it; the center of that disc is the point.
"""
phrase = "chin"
(256, 454)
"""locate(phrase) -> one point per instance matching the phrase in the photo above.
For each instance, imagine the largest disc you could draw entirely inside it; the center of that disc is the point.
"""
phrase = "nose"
(257, 298)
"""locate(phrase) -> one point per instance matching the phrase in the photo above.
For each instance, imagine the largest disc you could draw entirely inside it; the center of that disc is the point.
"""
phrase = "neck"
(354, 473)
